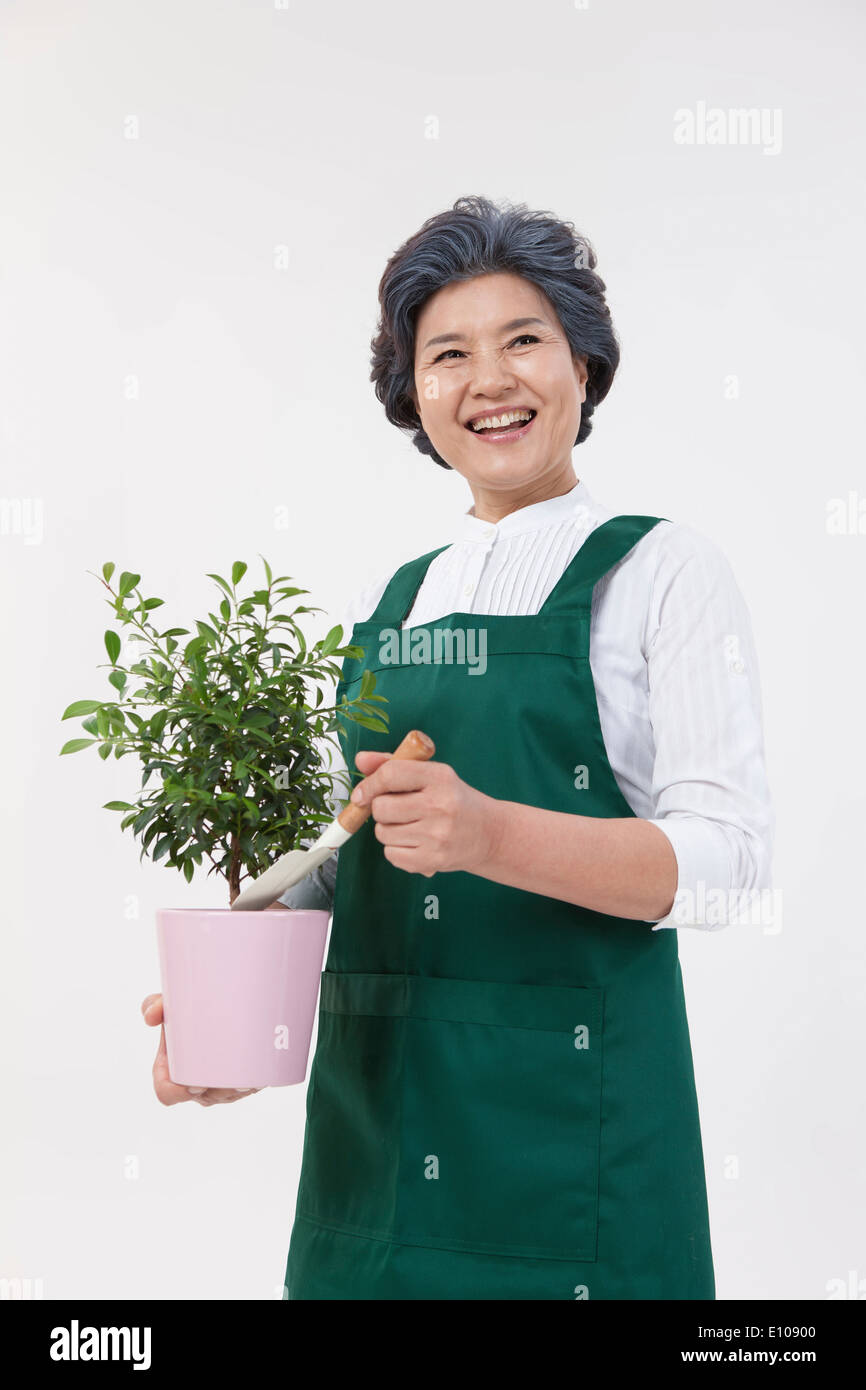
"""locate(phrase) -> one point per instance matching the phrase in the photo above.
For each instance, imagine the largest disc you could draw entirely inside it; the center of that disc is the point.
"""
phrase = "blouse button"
(467, 590)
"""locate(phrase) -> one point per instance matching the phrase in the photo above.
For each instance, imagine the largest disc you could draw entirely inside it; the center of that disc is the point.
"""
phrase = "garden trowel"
(292, 867)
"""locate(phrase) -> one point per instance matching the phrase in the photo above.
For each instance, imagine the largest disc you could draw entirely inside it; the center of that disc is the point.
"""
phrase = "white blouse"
(676, 677)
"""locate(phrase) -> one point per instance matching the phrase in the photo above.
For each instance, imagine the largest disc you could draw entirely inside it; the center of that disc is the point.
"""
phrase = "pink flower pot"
(239, 993)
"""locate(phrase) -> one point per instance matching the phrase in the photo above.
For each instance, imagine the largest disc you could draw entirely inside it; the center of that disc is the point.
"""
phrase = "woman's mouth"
(506, 425)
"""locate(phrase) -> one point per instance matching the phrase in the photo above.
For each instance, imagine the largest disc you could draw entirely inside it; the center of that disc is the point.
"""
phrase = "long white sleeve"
(709, 787)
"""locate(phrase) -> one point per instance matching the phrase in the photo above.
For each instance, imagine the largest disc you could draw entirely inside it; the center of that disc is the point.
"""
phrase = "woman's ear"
(581, 372)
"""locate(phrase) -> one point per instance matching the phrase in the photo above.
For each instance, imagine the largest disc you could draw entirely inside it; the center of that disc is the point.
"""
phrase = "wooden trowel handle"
(416, 746)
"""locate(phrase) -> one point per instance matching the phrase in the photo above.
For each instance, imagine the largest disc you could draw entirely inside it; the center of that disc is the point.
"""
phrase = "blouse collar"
(532, 518)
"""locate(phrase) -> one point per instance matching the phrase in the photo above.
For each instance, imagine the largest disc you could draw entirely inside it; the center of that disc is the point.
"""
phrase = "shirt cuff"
(704, 873)
(315, 890)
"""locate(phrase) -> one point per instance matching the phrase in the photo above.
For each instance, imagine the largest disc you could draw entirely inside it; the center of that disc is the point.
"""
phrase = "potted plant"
(227, 727)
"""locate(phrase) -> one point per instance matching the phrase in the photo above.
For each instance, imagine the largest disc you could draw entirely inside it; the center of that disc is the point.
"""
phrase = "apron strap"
(603, 548)
(395, 605)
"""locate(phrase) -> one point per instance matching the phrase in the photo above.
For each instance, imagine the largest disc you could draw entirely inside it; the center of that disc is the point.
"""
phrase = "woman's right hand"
(167, 1091)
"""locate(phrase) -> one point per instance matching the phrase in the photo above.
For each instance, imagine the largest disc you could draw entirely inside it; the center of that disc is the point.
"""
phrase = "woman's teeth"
(500, 422)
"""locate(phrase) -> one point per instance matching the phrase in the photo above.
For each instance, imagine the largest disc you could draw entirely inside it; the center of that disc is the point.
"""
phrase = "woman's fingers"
(151, 1009)
(368, 760)
(167, 1091)
(219, 1095)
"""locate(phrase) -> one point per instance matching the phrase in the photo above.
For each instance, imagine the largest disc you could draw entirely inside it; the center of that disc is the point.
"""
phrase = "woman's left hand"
(429, 821)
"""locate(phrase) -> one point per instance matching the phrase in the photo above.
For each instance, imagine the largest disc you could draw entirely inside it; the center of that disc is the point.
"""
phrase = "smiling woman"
(535, 383)
(423, 351)
(502, 1103)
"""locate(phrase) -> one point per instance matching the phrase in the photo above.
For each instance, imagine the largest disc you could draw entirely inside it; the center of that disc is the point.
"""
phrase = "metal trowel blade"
(289, 870)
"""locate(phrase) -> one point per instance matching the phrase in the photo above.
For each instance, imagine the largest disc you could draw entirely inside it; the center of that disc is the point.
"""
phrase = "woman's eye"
(524, 338)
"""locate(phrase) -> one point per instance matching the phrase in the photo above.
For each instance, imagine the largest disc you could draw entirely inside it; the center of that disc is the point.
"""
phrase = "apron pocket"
(459, 1114)
(501, 1120)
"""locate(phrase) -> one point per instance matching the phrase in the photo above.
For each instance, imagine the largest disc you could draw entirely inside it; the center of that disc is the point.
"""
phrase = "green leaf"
(153, 603)
(118, 679)
(104, 750)
(270, 577)
(188, 870)
(222, 583)
(112, 646)
(157, 724)
(375, 724)
(175, 794)
(75, 744)
(207, 633)
(239, 569)
(367, 707)
(128, 582)
(194, 647)
(118, 806)
(175, 632)
(223, 717)
(161, 848)
(144, 818)
(108, 571)
(226, 609)
(81, 707)
(331, 642)
(151, 832)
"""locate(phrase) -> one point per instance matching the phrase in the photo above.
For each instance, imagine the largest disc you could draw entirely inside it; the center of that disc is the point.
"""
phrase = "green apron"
(502, 1099)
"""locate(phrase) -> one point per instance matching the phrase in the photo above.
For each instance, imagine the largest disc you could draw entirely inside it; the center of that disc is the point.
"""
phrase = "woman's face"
(488, 346)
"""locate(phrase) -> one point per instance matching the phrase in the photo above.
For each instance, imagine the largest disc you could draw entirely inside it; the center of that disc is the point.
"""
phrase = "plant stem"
(235, 864)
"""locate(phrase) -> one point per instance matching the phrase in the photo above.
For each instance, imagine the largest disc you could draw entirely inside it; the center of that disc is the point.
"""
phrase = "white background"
(307, 127)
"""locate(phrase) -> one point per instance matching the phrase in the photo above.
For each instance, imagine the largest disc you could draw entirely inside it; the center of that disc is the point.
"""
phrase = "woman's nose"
(490, 374)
